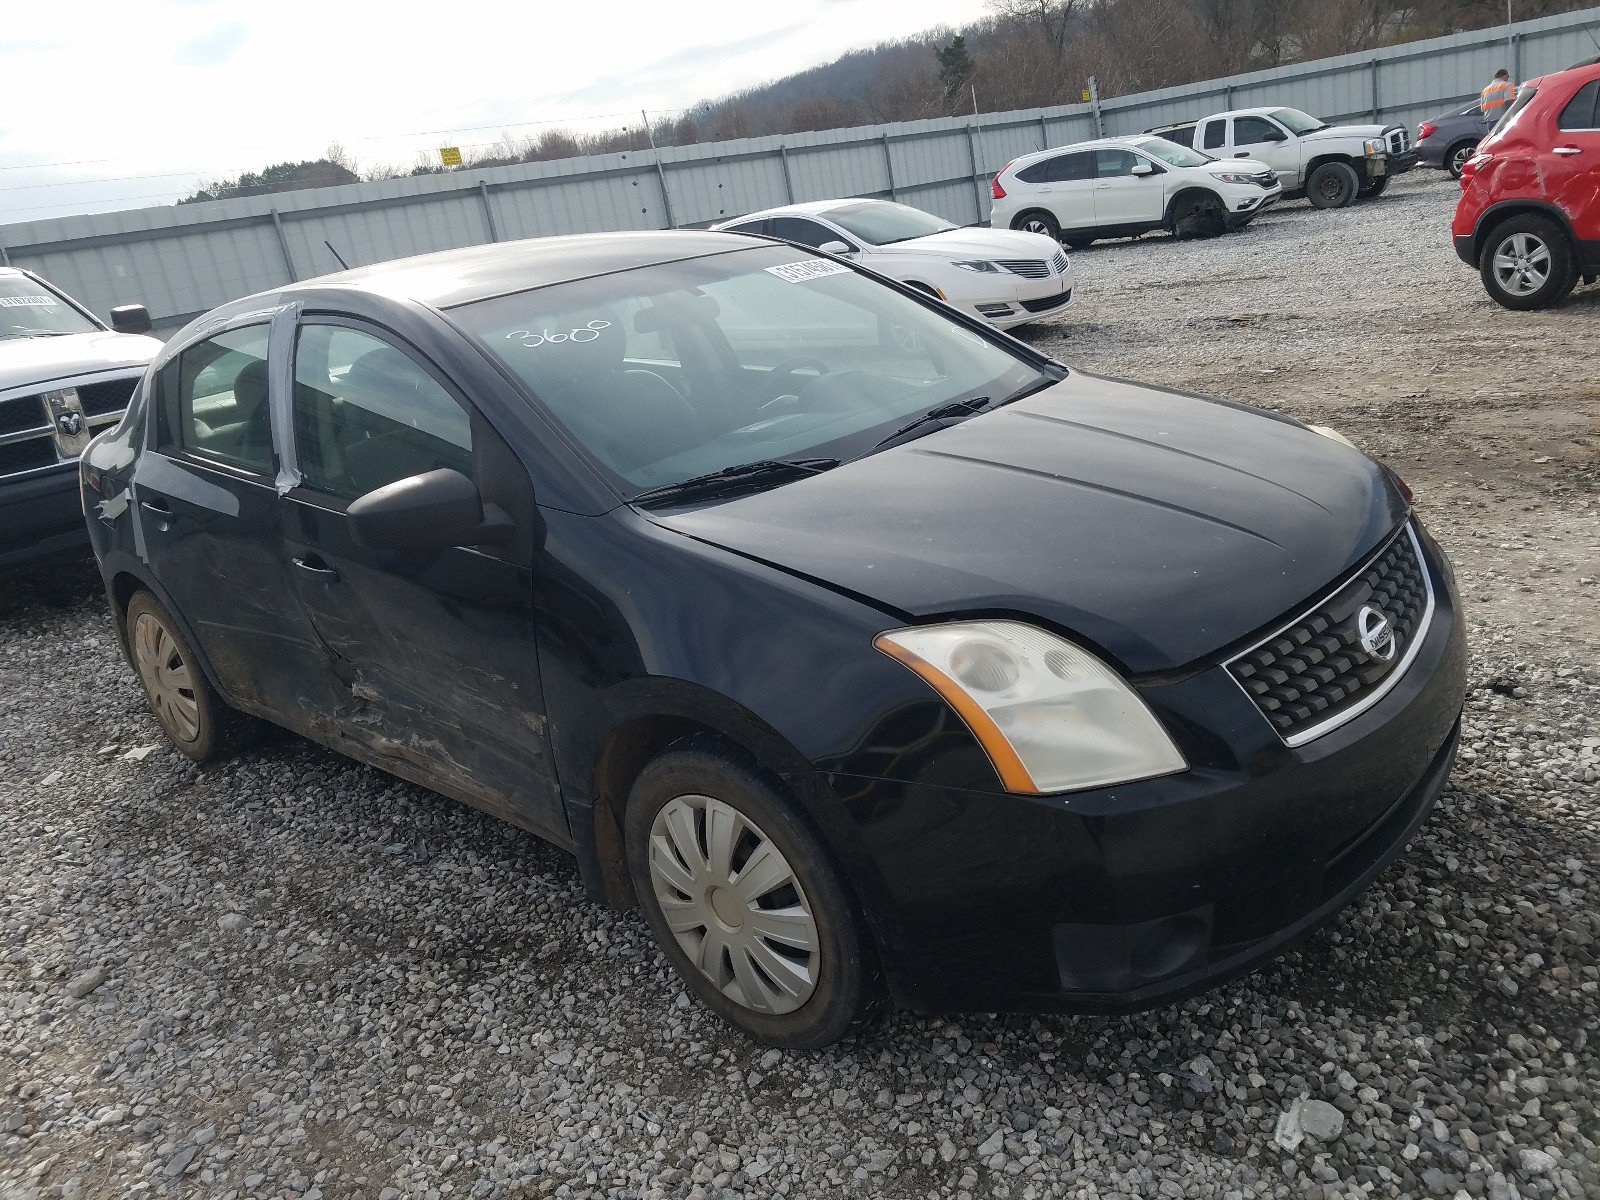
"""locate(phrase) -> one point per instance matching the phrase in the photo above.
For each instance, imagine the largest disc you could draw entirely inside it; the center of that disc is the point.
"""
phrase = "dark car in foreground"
(1447, 141)
(1529, 215)
(63, 376)
(865, 648)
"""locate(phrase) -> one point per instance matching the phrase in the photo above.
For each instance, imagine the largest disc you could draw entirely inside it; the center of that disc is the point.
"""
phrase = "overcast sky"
(119, 105)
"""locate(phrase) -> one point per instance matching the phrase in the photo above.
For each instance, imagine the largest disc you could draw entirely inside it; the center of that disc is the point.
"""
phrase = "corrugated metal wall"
(181, 261)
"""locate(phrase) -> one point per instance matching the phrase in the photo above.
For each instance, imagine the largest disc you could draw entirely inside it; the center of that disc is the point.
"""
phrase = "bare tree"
(1050, 18)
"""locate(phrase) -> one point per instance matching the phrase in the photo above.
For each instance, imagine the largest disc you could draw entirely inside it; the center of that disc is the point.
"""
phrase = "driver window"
(366, 414)
(1109, 164)
(1252, 131)
(807, 233)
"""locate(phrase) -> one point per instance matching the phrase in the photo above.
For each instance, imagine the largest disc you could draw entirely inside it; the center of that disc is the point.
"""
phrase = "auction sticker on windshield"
(811, 268)
(28, 301)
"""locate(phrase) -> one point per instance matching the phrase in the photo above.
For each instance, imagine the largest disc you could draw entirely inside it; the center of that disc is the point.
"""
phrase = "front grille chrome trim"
(1387, 683)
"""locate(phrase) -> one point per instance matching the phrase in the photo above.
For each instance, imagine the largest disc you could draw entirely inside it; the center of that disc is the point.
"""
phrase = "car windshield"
(1297, 122)
(882, 223)
(1173, 154)
(669, 372)
(29, 309)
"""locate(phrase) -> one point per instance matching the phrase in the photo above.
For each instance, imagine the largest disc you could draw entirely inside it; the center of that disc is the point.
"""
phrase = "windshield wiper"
(956, 410)
(736, 478)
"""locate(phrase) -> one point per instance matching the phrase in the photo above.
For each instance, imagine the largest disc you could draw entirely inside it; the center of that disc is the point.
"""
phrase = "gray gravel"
(289, 975)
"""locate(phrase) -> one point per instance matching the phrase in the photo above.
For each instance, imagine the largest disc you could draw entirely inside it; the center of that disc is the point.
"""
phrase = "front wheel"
(1333, 185)
(1374, 189)
(1199, 215)
(1528, 263)
(744, 899)
(1038, 222)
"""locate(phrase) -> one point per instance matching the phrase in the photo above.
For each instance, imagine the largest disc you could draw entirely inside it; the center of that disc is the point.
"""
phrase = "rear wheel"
(1456, 158)
(1333, 185)
(744, 899)
(1038, 221)
(196, 720)
(1528, 263)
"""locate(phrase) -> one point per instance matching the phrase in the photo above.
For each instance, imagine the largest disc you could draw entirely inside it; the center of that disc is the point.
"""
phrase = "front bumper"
(41, 516)
(1126, 898)
(1023, 300)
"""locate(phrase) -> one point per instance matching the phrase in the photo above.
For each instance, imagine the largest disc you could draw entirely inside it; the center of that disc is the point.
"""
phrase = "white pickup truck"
(1330, 165)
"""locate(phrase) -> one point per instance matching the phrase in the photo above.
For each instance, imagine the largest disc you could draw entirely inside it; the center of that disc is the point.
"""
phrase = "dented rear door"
(435, 651)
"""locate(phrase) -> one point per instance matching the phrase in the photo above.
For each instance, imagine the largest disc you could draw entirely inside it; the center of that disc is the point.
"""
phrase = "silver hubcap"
(166, 678)
(734, 905)
(1459, 159)
(1522, 264)
(1036, 226)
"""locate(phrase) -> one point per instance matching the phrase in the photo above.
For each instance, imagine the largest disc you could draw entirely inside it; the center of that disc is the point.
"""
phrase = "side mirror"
(1143, 168)
(837, 248)
(425, 512)
(131, 318)
(1277, 135)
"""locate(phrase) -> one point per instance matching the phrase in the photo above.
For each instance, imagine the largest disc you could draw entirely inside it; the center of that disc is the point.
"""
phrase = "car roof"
(808, 208)
(450, 277)
(1122, 140)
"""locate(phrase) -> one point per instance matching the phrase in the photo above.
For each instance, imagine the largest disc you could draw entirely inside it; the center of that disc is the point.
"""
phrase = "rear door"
(207, 522)
(1065, 185)
(435, 652)
(1571, 166)
(1120, 196)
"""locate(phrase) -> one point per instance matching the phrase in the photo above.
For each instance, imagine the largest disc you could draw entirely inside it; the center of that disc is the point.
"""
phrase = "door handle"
(313, 567)
(1242, 154)
(1568, 150)
(158, 509)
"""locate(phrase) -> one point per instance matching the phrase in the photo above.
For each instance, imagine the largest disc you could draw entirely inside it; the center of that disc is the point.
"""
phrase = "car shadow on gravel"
(52, 585)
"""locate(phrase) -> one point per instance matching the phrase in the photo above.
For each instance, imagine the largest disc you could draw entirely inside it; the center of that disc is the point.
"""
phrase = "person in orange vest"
(1493, 99)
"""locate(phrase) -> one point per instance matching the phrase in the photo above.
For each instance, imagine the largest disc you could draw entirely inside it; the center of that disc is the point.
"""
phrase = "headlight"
(1377, 146)
(1235, 177)
(1051, 717)
(978, 265)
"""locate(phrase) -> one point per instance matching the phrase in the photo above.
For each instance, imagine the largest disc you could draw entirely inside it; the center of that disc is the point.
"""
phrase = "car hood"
(1346, 131)
(1246, 165)
(977, 243)
(1162, 527)
(45, 360)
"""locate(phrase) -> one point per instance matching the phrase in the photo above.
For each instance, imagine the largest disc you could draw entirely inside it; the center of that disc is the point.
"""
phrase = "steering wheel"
(781, 372)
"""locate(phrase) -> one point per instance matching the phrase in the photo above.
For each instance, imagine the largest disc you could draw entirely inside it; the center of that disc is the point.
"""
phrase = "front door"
(1123, 198)
(1265, 141)
(435, 650)
(207, 522)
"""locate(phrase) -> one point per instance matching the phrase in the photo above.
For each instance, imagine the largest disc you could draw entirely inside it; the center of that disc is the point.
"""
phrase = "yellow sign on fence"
(450, 156)
(1086, 95)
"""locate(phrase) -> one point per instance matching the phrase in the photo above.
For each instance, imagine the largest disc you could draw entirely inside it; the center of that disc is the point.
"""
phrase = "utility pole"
(1511, 45)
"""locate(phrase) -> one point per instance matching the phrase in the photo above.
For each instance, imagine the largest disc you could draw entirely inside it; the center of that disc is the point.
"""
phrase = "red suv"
(1529, 214)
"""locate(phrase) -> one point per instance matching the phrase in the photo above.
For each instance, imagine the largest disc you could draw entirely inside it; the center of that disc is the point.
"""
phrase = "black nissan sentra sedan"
(868, 650)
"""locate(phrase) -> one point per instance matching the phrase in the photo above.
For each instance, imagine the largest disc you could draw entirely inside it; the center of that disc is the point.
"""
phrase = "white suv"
(1125, 186)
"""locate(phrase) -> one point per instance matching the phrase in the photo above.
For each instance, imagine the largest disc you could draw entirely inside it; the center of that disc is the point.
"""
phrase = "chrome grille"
(1058, 264)
(1399, 141)
(23, 414)
(1315, 674)
(1028, 268)
(32, 438)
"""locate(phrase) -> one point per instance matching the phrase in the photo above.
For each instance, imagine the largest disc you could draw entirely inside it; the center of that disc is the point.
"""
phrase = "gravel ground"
(291, 976)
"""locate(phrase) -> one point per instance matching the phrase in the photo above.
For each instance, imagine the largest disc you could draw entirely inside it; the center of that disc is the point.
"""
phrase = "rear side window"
(1580, 112)
(367, 414)
(807, 233)
(1182, 136)
(1214, 134)
(747, 227)
(1514, 109)
(214, 400)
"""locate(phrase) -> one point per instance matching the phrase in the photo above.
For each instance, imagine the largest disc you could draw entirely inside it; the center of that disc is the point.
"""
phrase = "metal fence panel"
(182, 260)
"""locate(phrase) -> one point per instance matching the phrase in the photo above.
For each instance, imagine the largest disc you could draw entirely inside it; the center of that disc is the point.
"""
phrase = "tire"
(1199, 214)
(1527, 263)
(1333, 185)
(194, 718)
(1038, 221)
(820, 989)
(1456, 157)
(1374, 189)
(1081, 243)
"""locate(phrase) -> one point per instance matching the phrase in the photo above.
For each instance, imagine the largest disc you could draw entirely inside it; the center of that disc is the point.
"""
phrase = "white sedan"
(1005, 276)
